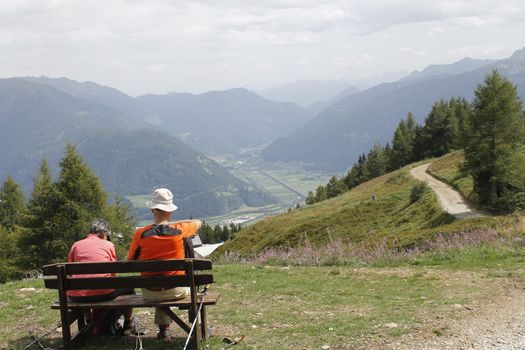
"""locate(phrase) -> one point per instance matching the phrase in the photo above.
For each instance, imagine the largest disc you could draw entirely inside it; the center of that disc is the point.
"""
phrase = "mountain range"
(340, 133)
(36, 121)
(213, 122)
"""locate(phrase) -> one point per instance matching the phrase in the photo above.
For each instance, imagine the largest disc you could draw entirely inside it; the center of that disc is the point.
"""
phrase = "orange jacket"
(158, 242)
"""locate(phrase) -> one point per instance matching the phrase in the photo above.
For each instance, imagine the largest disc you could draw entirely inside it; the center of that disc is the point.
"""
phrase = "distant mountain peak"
(519, 54)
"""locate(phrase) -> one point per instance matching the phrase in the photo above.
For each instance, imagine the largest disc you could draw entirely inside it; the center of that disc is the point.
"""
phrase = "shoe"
(129, 327)
(163, 334)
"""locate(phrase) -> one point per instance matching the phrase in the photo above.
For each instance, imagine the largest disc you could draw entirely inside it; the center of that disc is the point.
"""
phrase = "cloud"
(197, 43)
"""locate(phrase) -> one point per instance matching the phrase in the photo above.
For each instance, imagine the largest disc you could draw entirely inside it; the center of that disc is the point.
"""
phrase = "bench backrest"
(58, 276)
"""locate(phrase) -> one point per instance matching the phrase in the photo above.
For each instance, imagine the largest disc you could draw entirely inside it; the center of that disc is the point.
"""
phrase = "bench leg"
(196, 336)
(86, 330)
(81, 323)
(175, 318)
(66, 328)
(204, 323)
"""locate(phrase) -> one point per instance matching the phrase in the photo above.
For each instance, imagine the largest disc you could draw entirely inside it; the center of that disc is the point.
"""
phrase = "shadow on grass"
(443, 219)
(99, 343)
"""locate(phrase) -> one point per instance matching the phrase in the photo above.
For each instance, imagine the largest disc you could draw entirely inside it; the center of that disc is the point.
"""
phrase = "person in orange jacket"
(162, 240)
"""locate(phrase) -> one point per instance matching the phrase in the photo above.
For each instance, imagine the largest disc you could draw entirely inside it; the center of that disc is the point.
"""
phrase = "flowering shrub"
(339, 253)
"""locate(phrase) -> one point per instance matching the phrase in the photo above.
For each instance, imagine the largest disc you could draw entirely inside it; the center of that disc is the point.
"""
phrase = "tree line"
(41, 230)
(491, 131)
(218, 233)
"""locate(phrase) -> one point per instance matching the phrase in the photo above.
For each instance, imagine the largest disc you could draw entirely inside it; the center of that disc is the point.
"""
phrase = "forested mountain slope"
(36, 121)
(338, 135)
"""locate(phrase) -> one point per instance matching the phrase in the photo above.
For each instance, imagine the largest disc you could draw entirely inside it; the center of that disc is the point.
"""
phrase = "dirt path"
(501, 325)
(449, 198)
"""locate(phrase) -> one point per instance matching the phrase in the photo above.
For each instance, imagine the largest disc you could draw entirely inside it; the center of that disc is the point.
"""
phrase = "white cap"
(162, 199)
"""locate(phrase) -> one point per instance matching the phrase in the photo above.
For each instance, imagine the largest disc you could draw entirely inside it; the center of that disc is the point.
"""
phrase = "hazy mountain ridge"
(213, 122)
(444, 70)
(306, 92)
(334, 139)
(36, 120)
(92, 91)
(317, 107)
(224, 121)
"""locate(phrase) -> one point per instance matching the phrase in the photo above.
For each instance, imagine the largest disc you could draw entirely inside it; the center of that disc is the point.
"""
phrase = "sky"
(158, 46)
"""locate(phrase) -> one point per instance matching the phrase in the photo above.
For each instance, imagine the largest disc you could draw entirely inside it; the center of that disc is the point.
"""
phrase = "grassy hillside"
(354, 217)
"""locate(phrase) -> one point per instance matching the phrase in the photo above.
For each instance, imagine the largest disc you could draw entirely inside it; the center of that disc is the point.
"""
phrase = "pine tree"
(495, 151)
(225, 233)
(204, 233)
(418, 149)
(402, 143)
(40, 240)
(12, 205)
(376, 164)
(440, 132)
(60, 213)
(357, 174)
(320, 194)
(217, 232)
(335, 187)
(122, 223)
(12, 213)
(463, 111)
(310, 198)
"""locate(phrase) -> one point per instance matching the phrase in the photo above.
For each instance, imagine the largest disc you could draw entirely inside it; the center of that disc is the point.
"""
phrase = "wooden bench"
(58, 276)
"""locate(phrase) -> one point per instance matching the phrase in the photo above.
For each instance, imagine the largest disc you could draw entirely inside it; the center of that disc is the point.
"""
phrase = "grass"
(354, 217)
(306, 307)
(448, 169)
(357, 304)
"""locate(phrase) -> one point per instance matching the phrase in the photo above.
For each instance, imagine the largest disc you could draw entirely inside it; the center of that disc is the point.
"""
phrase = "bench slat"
(130, 282)
(128, 266)
(135, 301)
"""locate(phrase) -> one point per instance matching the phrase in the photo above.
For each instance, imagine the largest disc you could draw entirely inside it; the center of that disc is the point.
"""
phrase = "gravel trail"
(501, 325)
(451, 201)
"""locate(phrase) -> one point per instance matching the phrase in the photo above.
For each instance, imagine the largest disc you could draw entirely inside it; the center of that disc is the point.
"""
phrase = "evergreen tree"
(418, 148)
(440, 132)
(12, 205)
(495, 151)
(217, 232)
(357, 173)
(310, 198)
(12, 212)
(402, 143)
(376, 164)
(206, 233)
(40, 240)
(335, 187)
(463, 111)
(225, 233)
(122, 223)
(320, 194)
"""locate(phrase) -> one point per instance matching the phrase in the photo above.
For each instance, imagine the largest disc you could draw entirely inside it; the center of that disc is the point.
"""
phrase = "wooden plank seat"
(60, 277)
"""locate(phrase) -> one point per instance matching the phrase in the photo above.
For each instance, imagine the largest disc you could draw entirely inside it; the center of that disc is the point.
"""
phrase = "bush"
(509, 203)
(418, 191)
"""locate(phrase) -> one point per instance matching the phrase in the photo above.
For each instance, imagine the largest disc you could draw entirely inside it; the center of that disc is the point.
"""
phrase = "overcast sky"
(141, 46)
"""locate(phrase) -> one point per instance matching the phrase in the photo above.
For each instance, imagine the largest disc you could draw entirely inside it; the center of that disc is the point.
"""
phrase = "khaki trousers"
(162, 295)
